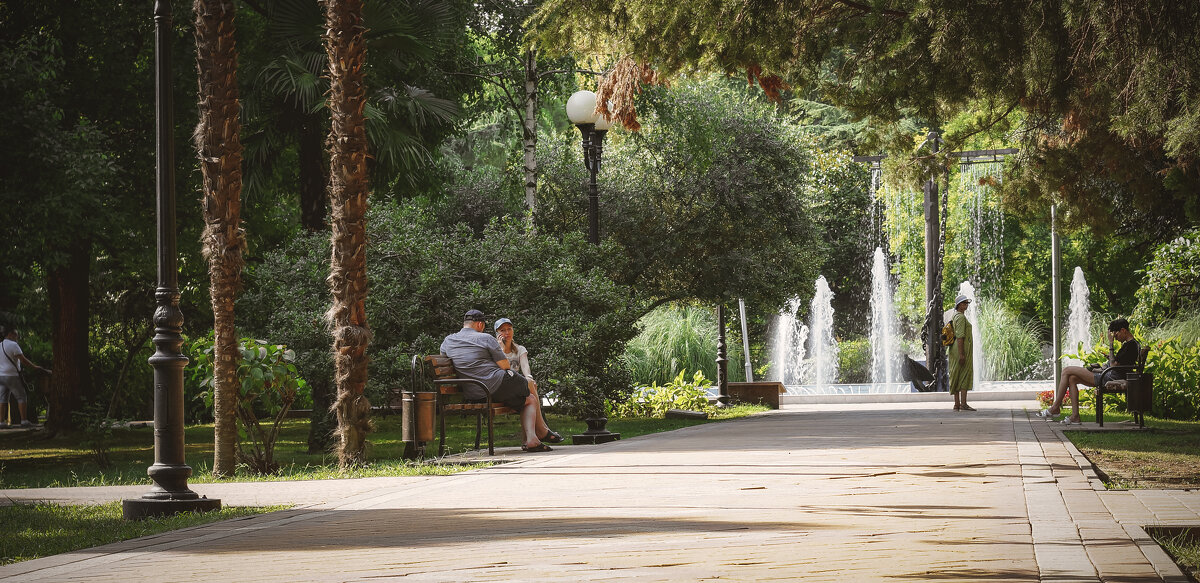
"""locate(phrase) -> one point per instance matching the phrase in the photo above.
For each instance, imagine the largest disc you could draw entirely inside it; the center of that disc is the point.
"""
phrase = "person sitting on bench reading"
(1095, 375)
(478, 356)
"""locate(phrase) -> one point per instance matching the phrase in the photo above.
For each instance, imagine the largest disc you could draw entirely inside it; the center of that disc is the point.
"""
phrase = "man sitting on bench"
(1095, 375)
(478, 356)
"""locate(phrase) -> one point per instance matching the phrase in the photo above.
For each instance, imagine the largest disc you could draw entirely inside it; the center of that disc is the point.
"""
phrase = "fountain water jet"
(1079, 318)
(822, 346)
(787, 346)
(885, 363)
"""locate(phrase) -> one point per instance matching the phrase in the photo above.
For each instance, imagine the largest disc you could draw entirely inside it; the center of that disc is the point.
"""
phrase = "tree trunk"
(312, 175)
(69, 312)
(220, 150)
(347, 317)
(529, 132)
(322, 424)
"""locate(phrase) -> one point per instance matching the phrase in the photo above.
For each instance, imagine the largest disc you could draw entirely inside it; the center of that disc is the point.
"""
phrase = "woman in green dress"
(959, 354)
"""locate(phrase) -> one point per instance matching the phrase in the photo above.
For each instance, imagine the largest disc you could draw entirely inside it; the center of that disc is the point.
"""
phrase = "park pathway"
(847, 493)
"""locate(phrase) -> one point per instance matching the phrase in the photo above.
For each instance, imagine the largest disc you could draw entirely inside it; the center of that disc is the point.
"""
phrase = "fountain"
(822, 346)
(787, 346)
(885, 361)
(1079, 319)
(972, 315)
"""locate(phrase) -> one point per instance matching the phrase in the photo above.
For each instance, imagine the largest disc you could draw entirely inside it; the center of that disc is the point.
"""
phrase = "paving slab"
(838, 492)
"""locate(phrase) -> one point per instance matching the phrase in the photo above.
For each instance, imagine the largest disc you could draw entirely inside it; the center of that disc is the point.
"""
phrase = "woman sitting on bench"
(1094, 375)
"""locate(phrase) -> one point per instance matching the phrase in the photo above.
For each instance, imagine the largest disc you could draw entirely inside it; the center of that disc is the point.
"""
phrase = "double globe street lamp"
(581, 110)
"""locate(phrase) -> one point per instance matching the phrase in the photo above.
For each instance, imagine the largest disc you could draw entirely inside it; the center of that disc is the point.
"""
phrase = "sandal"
(551, 436)
(956, 408)
(536, 449)
(967, 407)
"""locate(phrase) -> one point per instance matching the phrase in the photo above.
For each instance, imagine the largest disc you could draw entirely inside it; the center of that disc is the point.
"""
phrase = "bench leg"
(1099, 407)
(478, 429)
(491, 447)
(441, 430)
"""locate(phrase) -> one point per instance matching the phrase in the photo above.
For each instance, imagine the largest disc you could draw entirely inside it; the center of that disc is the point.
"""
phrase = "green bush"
(655, 400)
(1172, 281)
(270, 385)
(854, 360)
(566, 308)
(1011, 344)
(679, 337)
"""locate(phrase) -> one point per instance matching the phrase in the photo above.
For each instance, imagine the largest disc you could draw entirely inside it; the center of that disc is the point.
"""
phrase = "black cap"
(474, 316)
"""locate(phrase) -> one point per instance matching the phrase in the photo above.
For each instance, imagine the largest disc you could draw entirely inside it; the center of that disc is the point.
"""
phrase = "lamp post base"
(139, 508)
(596, 433)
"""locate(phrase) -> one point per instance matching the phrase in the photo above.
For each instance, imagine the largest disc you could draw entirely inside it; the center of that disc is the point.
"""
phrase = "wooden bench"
(451, 401)
(1137, 386)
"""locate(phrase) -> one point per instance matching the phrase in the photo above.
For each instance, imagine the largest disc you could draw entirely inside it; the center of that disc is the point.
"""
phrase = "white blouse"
(519, 360)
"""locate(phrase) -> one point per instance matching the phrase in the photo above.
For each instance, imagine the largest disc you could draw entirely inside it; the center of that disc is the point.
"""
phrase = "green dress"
(960, 371)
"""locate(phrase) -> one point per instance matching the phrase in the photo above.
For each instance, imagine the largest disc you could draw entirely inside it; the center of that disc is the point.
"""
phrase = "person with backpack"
(10, 378)
(956, 336)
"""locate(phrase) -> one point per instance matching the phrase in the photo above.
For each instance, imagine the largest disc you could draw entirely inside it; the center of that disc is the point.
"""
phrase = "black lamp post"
(722, 359)
(170, 493)
(581, 110)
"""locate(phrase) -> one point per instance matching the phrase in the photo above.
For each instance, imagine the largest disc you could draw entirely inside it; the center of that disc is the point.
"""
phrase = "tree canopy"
(1107, 90)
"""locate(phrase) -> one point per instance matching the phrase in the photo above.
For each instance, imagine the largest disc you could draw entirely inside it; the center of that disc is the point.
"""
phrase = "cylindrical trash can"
(426, 403)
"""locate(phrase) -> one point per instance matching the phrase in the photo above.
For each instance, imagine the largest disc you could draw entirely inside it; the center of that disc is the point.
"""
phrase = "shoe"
(3, 425)
(1043, 413)
(956, 407)
(967, 408)
(551, 436)
(536, 449)
(26, 423)
(1069, 421)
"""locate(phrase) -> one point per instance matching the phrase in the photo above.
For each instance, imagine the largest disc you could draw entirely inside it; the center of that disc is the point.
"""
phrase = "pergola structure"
(935, 240)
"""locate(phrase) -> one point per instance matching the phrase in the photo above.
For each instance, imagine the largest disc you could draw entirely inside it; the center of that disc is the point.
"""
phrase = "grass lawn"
(29, 460)
(1183, 544)
(41, 530)
(1164, 455)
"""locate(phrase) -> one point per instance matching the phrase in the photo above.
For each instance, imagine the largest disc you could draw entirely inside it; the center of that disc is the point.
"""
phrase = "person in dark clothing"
(478, 356)
(1095, 375)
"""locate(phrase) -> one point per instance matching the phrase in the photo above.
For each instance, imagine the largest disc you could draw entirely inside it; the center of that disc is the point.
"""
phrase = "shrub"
(675, 338)
(655, 400)
(1010, 343)
(566, 308)
(269, 386)
(854, 360)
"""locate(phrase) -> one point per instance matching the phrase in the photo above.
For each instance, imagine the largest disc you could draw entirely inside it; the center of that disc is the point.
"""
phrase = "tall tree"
(219, 148)
(1108, 89)
(347, 317)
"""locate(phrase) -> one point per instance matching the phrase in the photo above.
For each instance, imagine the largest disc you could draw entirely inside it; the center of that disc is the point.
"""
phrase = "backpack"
(948, 333)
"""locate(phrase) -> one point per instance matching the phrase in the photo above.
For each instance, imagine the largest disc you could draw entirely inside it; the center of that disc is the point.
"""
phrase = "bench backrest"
(443, 367)
(1142, 354)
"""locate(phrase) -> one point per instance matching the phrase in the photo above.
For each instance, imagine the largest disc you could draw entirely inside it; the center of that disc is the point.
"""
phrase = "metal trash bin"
(419, 413)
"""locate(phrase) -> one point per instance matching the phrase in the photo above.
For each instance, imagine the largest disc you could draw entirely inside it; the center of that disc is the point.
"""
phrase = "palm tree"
(348, 174)
(220, 150)
(285, 103)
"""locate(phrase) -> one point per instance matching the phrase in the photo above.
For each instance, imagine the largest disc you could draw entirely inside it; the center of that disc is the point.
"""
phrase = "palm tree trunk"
(347, 317)
(220, 150)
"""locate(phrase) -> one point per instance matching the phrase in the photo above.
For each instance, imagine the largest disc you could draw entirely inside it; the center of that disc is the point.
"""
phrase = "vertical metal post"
(169, 493)
(1055, 294)
(722, 359)
(933, 292)
(593, 153)
(745, 341)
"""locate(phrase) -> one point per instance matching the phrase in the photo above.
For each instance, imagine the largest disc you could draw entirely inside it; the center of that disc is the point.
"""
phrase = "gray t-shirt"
(475, 355)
